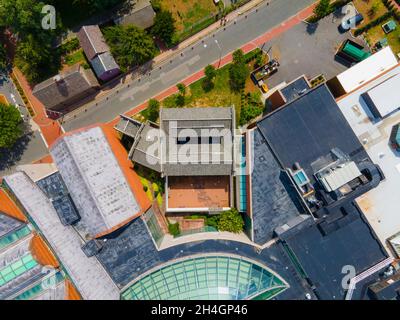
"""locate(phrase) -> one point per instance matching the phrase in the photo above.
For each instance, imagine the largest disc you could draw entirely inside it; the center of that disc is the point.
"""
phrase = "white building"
(96, 182)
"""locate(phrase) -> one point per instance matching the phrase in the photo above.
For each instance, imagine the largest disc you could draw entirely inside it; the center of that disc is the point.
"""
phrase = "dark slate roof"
(103, 62)
(295, 89)
(54, 188)
(196, 119)
(65, 87)
(137, 12)
(274, 200)
(322, 256)
(92, 41)
(8, 224)
(308, 128)
(130, 252)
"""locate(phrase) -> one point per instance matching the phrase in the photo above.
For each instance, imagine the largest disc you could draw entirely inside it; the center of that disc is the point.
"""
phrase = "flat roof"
(307, 129)
(201, 192)
(322, 256)
(385, 97)
(295, 89)
(367, 69)
(379, 205)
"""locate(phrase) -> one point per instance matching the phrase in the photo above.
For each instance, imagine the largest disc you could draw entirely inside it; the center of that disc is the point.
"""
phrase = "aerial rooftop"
(101, 187)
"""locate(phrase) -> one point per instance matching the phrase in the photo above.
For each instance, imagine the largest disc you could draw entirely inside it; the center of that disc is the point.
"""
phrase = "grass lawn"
(370, 9)
(75, 57)
(188, 12)
(220, 96)
(376, 33)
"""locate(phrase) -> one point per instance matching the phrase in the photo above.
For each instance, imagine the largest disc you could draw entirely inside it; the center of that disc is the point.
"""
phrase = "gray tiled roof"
(140, 149)
(197, 119)
(138, 12)
(103, 62)
(53, 92)
(92, 41)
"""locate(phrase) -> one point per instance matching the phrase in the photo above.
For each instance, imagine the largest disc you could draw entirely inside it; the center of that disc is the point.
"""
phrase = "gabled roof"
(92, 41)
(65, 86)
(137, 12)
(100, 183)
(213, 123)
(103, 62)
(88, 275)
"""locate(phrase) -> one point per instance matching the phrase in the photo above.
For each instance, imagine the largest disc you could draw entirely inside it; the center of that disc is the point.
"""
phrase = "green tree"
(210, 73)
(3, 57)
(231, 221)
(174, 229)
(182, 88)
(180, 97)
(35, 59)
(164, 26)
(322, 9)
(22, 16)
(130, 45)
(238, 71)
(153, 110)
(10, 125)
(95, 5)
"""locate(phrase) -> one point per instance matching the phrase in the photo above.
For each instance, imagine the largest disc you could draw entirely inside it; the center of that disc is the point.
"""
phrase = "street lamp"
(220, 52)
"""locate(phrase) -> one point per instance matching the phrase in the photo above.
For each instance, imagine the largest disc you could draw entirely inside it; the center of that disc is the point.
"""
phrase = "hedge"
(334, 6)
(373, 23)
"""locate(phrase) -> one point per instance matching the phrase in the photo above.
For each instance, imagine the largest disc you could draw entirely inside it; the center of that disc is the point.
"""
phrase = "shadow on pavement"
(10, 156)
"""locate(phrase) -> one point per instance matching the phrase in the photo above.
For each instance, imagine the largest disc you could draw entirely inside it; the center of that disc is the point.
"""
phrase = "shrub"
(173, 229)
(231, 221)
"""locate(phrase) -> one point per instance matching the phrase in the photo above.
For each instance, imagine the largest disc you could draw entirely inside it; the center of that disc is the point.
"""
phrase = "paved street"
(193, 59)
(31, 146)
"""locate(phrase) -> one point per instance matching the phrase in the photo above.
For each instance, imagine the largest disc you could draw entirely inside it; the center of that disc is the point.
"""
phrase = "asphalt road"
(28, 148)
(248, 27)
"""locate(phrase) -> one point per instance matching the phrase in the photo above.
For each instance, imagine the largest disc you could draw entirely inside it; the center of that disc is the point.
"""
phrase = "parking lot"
(308, 49)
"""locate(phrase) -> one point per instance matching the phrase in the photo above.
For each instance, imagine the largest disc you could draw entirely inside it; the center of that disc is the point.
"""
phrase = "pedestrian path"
(283, 27)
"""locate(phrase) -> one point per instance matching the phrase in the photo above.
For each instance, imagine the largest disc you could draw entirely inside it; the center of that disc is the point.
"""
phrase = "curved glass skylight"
(207, 278)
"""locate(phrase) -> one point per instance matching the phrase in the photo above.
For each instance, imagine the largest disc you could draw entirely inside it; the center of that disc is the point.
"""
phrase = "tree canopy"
(322, 8)
(3, 57)
(231, 221)
(164, 26)
(22, 16)
(210, 73)
(152, 110)
(130, 45)
(35, 59)
(10, 125)
(238, 71)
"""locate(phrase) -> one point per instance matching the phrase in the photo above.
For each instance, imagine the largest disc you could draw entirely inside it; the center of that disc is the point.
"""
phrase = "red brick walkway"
(50, 129)
(283, 27)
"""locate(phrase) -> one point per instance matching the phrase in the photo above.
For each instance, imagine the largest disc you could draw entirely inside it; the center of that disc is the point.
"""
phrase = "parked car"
(353, 21)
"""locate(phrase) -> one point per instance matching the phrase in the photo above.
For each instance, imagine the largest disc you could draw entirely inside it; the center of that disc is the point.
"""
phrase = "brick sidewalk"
(49, 129)
(283, 27)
